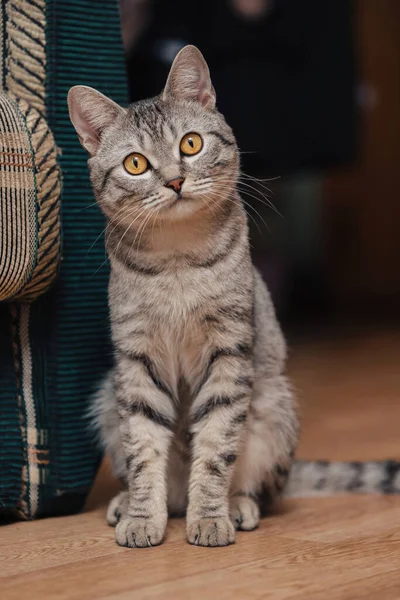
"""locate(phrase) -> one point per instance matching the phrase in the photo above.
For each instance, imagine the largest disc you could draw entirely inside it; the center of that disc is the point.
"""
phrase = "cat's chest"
(174, 298)
(166, 316)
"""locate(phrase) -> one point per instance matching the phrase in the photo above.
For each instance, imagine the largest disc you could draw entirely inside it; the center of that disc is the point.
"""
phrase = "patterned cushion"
(18, 238)
(30, 186)
(54, 349)
(30, 181)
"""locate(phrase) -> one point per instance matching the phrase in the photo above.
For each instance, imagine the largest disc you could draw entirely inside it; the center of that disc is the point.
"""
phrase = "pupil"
(135, 162)
(190, 142)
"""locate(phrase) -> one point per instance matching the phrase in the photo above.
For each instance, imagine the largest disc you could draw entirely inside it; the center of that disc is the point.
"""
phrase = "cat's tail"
(323, 478)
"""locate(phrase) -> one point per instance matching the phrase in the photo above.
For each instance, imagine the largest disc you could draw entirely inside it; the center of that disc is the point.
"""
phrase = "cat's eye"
(136, 164)
(191, 143)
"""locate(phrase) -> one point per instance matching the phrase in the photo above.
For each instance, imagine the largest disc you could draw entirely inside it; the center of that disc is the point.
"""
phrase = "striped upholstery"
(26, 51)
(30, 180)
(56, 348)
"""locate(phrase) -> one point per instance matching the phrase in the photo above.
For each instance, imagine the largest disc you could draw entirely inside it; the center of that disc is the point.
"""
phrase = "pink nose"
(175, 184)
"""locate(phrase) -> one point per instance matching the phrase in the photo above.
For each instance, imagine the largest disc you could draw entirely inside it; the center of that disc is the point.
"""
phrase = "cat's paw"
(217, 531)
(138, 532)
(117, 508)
(244, 512)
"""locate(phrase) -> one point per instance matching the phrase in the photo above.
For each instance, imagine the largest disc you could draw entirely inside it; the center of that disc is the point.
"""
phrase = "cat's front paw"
(117, 508)
(245, 514)
(217, 531)
(138, 532)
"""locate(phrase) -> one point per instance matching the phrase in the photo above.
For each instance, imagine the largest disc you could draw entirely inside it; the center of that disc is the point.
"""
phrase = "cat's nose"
(175, 184)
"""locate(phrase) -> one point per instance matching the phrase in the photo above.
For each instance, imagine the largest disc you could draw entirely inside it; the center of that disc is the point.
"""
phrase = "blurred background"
(312, 91)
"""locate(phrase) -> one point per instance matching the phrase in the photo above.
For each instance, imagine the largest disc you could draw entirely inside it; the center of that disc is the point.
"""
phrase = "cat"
(197, 413)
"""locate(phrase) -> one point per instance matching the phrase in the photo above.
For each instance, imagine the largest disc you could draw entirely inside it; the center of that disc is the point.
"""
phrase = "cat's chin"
(180, 208)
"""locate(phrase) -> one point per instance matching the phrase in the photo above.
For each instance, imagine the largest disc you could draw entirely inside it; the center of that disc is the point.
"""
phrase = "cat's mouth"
(180, 198)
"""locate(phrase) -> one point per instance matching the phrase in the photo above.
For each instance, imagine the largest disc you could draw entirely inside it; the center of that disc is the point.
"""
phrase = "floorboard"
(343, 548)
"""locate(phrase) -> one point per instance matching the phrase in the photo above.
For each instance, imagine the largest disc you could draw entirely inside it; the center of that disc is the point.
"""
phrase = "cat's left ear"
(189, 79)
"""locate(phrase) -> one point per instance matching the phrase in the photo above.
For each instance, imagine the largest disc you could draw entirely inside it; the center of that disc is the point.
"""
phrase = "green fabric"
(11, 448)
(75, 352)
(68, 326)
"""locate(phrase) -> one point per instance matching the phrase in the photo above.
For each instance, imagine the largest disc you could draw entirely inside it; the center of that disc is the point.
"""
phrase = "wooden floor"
(334, 548)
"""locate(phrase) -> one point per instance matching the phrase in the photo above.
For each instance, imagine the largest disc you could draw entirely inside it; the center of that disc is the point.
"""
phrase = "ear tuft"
(189, 79)
(91, 113)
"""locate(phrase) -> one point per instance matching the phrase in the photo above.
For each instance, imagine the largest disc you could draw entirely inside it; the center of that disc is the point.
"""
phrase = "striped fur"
(197, 414)
(322, 478)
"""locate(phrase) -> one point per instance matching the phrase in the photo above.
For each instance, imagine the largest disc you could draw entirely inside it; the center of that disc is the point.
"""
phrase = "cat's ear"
(91, 113)
(189, 78)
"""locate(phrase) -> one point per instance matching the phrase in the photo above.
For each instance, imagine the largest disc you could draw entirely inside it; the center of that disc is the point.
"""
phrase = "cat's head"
(169, 157)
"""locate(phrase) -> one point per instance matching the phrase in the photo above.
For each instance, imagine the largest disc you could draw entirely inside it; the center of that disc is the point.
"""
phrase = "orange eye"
(191, 143)
(136, 164)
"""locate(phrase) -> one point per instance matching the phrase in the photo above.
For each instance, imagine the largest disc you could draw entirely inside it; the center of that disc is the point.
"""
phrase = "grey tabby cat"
(197, 414)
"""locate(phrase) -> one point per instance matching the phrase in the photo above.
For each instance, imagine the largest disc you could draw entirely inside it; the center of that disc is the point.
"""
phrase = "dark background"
(312, 91)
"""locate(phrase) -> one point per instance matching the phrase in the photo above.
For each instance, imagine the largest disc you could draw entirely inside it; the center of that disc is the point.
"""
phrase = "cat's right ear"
(91, 113)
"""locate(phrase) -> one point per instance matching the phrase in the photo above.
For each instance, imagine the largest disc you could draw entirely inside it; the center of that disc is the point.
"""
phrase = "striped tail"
(323, 478)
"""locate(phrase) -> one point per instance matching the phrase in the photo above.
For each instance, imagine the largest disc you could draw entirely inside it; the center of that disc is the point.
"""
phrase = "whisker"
(86, 207)
(154, 222)
(260, 179)
(128, 228)
(140, 201)
(260, 182)
(264, 199)
(141, 229)
(129, 214)
(231, 197)
(101, 266)
(101, 233)
(209, 202)
(200, 186)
